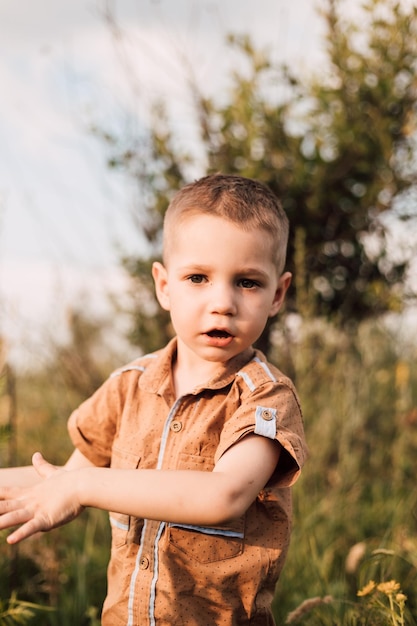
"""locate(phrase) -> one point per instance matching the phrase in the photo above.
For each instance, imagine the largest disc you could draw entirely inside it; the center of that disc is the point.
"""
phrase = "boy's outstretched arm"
(181, 496)
(26, 476)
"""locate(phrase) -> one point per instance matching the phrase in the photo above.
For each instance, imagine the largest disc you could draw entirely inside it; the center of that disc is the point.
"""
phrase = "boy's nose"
(222, 300)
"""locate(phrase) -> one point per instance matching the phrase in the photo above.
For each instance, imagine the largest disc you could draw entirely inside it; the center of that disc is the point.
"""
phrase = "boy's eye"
(248, 283)
(196, 278)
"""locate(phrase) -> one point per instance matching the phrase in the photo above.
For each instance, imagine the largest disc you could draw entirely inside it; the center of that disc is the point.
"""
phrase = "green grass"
(358, 487)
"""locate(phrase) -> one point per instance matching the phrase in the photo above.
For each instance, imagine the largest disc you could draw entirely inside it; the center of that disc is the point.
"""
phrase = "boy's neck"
(189, 375)
(186, 377)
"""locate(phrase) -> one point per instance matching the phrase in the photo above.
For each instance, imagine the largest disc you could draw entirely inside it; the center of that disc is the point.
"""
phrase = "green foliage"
(77, 365)
(151, 325)
(58, 579)
(337, 147)
(14, 612)
(62, 572)
(158, 169)
(355, 504)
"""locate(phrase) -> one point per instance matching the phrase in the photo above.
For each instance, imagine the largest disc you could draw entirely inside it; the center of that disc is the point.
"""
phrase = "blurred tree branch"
(339, 149)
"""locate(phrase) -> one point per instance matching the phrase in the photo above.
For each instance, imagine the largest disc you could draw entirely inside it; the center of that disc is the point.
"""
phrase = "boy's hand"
(46, 505)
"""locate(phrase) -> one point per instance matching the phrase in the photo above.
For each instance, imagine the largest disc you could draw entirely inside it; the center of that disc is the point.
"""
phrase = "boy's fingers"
(12, 513)
(14, 518)
(27, 530)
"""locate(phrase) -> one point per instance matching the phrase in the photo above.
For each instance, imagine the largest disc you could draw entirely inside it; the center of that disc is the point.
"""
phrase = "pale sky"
(61, 72)
(63, 214)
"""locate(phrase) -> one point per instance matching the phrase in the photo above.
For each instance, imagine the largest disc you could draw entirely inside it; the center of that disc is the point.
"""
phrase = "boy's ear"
(282, 287)
(160, 278)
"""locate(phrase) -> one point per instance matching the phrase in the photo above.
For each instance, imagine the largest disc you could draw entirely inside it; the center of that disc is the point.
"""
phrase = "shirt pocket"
(206, 544)
(125, 529)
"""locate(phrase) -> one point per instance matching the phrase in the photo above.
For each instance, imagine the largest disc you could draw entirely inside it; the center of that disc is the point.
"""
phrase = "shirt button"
(176, 426)
(267, 415)
(144, 562)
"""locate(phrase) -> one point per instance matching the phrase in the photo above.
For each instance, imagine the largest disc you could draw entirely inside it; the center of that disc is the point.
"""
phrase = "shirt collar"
(157, 376)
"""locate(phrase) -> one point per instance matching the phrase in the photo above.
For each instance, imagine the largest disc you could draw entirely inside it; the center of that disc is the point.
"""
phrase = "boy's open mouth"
(218, 334)
(219, 338)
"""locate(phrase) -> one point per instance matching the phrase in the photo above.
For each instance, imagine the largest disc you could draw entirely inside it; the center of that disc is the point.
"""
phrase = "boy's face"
(220, 285)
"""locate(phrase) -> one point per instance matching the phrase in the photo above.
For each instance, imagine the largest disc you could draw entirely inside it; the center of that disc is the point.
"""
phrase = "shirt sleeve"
(92, 427)
(271, 410)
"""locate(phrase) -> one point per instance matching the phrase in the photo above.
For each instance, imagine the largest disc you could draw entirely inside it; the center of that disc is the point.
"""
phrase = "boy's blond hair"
(243, 201)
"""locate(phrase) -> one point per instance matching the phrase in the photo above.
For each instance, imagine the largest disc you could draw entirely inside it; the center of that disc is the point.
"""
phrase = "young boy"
(193, 448)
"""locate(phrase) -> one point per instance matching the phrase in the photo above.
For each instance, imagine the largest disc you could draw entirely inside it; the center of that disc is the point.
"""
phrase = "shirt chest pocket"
(200, 543)
(207, 544)
(125, 529)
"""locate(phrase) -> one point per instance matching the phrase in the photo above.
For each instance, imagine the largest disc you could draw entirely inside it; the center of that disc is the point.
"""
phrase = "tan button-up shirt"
(173, 574)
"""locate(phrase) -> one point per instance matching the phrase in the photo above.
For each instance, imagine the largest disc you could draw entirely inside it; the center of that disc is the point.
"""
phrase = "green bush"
(355, 504)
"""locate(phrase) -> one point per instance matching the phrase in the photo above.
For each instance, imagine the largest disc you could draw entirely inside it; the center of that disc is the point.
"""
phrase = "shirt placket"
(146, 572)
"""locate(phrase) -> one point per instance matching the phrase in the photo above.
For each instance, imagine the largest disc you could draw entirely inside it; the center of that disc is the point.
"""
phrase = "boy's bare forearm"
(185, 496)
(24, 476)
(191, 497)
(182, 496)
(179, 496)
